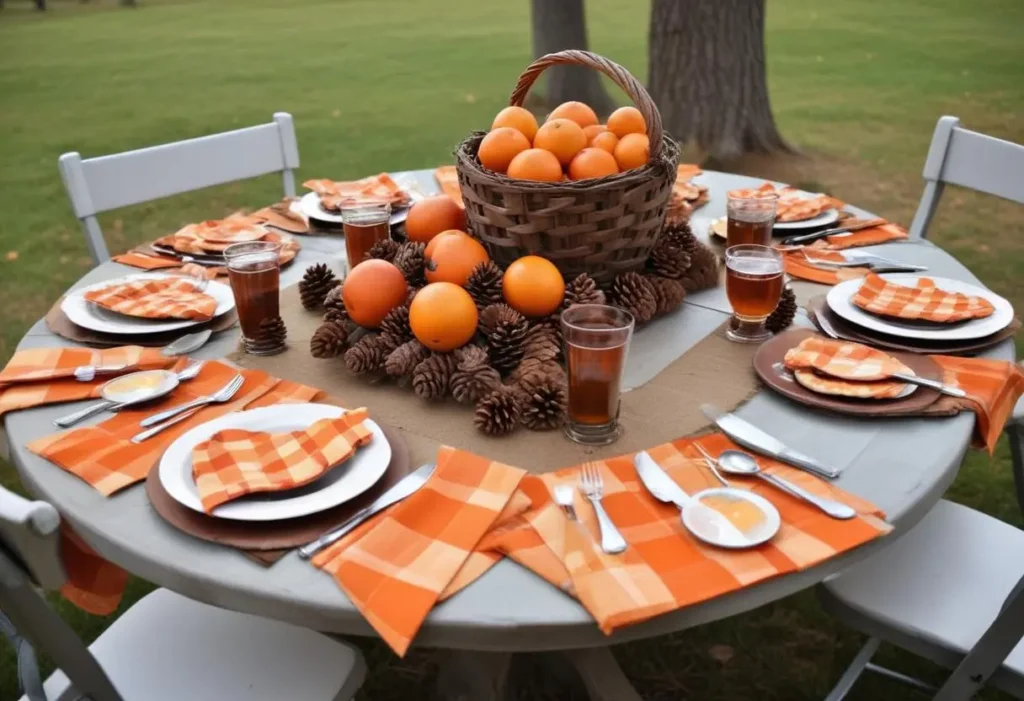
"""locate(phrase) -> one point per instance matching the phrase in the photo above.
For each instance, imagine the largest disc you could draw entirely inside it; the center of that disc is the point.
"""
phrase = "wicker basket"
(600, 226)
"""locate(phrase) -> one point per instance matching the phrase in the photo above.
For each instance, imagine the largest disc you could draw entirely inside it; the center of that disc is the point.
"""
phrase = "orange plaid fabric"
(448, 180)
(104, 456)
(793, 205)
(843, 359)
(375, 188)
(875, 389)
(188, 241)
(281, 216)
(147, 261)
(234, 229)
(234, 462)
(39, 376)
(993, 388)
(924, 301)
(166, 298)
(93, 585)
(798, 264)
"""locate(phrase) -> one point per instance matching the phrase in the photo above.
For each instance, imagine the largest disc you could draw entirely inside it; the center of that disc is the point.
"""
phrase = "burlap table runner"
(715, 370)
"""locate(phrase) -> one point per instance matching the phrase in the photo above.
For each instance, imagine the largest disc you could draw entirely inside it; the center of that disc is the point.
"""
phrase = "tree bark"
(559, 25)
(707, 76)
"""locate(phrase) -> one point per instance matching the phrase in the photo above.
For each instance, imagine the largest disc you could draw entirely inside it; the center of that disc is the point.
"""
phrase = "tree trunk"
(707, 76)
(559, 25)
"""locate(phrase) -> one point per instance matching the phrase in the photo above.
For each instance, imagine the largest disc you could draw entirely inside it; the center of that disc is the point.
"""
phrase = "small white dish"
(716, 529)
(138, 387)
(824, 219)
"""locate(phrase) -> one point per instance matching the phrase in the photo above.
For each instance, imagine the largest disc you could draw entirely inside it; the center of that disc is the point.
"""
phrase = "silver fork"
(592, 486)
(181, 413)
(712, 463)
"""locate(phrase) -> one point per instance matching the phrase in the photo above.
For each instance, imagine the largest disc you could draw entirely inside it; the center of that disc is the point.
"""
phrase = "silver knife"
(406, 487)
(750, 436)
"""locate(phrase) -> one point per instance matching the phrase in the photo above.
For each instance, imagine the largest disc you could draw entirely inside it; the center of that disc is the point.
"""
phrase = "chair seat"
(937, 589)
(169, 648)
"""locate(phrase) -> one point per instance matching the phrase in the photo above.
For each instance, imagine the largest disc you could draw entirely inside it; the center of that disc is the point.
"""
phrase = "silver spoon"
(188, 343)
(736, 462)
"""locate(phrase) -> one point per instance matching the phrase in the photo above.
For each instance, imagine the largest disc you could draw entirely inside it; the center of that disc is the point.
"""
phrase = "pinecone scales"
(505, 331)
(409, 258)
(473, 376)
(369, 354)
(668, 294)
(498, 413)
(543, 400)
(316, 283)
(329, 340)
(782, 318)
(635, 294)
(582, 289)
(703, 271)
(432, 376)
(484, 284)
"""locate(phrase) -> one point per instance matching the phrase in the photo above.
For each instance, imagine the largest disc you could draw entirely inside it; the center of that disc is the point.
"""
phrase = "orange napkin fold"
(799, 266)
(843, 359)
(375, 188)
(280, 216)
(152, 261)
(448, 180)
(793, 205)
(235, 462)
(104, 456)
(924, 301)
(189, 241)
(39, 376)
(93, 584)
(166, 298)
(993, 388)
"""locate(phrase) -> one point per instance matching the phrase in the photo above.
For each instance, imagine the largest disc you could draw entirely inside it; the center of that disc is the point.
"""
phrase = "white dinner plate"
(829, 216)
(309, 207)
(840, 298)
(337, 486)
(92, 316)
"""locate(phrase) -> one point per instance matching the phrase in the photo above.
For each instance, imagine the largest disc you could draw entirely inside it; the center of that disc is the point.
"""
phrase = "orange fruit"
(562, 137)
(605, 140)
(371, 290)
(633, 151)
(626, 120)
(593, 130)
(535, 164)
(432, 215)
(454, 258)
(592, 163)
(500, 146)
(576, 111)
(518, 118)
(533, 286)
(429, 251)
(443, 316)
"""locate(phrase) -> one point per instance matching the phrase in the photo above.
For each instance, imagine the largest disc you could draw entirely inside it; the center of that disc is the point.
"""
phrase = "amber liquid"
(360, 237)
(753, 286)
(256, 283)
(740, 231)
(595, 376)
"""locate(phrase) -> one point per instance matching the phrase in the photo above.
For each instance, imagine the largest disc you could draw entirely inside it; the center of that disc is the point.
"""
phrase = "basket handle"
(621, 77)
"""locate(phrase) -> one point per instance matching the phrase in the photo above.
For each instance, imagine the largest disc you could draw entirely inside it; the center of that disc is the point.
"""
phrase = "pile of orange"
(571, 144)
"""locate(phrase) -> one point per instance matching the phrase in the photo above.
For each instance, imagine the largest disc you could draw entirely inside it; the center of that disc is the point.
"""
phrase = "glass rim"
(236, 249)
(365, 206)
(752, 196)
(622, 326)
(741, 248)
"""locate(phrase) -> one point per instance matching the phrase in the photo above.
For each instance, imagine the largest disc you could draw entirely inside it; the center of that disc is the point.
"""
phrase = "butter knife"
(850, 228)
(750, 436)
(406, 487)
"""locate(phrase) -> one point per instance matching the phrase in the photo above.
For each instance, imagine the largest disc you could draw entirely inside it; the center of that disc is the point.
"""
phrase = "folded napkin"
(281, 216)
(686, 196)
(798, 261)
(235, 462)
(93, 584)
(924, 301)
(843, 359)
(104, 456)
(39, 376)
(372, 189)
(448, 180)
(189, 240)
(165, 298)
(152, 261)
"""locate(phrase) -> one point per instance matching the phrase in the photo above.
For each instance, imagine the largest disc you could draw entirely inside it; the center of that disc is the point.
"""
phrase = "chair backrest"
(103, 183)
(971, 160)
(30, 556)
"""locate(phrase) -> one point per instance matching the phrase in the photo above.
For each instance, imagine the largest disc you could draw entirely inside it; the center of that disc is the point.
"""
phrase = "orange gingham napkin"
(798, 266)
(151, 261)
(235, 462)
(923, 301)
(448, 180)
(792, 204)
(375, 188)
(40, 376)
(993, 388)
(93, 585)
(164, 298)
(280, 216)
(854, 370)
(104, 456)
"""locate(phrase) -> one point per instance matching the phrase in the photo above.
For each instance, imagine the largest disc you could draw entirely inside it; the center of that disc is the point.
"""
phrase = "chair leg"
(1015, 432)
(853, 672)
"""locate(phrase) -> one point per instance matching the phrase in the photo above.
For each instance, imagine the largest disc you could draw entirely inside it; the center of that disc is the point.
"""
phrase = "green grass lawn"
(394, 84)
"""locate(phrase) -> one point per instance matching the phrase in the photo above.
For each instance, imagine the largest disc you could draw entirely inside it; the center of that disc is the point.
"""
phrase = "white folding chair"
(950, 590)
(989, 165)
(164, 648)
(103, 183)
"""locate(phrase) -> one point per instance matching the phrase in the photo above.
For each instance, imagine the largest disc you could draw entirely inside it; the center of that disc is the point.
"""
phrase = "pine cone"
(272, 334)
(531, 370)
(505, 330)
(703, 272)
(396, 325)
(385, 249)
(484, 284)
(412, 295)
(632, 292)
(668, 259)
(497, 413)
(543, 341)
(668, 293)
(543, 402)
(473, 377)
(432, 376)
(680, 235)
(328, 340)
(335, 306)
(582, 290)
(316, 282)
(783, 316)
(404, 359)
(368, 355)
(409, 259)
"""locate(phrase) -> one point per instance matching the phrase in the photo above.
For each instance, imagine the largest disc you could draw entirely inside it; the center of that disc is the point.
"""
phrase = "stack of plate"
(204, 243)
(821, 220)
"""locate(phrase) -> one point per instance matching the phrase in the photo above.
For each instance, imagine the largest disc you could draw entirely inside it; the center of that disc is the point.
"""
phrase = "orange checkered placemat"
(448, 180)
(39, 376)
(924, 301)
(165, 298)
(375, 188)
(235, 462)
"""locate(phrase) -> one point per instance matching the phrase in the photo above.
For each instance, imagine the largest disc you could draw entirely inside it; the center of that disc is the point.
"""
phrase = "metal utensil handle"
(82, 414)
(174, 411)
(807, 463)
(611, 540)
(139, 437)
(833, 508)
(310, 549)
(932, 384)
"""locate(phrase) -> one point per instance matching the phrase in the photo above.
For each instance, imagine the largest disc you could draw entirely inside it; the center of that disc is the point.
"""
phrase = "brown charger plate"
(818, 306)
(769, 367)
(59, 323)
(275, 535)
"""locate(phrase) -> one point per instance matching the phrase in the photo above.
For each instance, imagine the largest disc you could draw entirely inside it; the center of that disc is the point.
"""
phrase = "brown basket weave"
(599, 226)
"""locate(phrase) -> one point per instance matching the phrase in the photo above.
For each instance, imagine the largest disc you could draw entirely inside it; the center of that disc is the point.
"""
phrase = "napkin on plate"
(853, 369)
(156, 298)
(793, 205)
(924, 301)
(372, 189)
(798, 261)
(281, 216)
(236, 462)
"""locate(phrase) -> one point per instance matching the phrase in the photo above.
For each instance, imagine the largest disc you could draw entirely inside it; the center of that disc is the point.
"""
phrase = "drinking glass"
(364, 224)
(753, 284)
(254, 271)
(596, 342)
(750, 217)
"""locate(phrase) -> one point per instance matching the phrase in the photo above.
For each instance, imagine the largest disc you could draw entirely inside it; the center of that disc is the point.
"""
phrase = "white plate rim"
(768, 508)
(88, 315)
(176, 471)
(309, 207)
(839, 301)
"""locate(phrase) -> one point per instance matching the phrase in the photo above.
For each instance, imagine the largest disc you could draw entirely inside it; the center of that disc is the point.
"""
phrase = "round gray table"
(903, 466)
